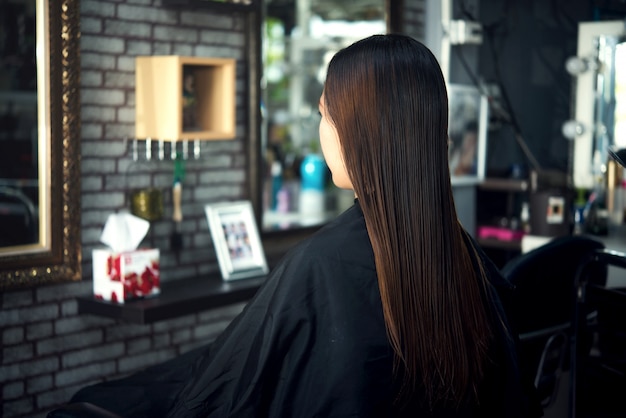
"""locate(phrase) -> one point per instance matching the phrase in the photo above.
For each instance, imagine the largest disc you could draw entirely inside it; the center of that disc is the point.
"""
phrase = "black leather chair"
(597, 376)
(543, 307)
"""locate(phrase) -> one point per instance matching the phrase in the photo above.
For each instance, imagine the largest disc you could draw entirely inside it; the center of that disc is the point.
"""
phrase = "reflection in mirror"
(300, 37)
(40, 167)
(619, 126)
(19, 174)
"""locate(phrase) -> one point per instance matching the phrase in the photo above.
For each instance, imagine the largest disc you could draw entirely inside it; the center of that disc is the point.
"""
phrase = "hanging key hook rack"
(163, 149)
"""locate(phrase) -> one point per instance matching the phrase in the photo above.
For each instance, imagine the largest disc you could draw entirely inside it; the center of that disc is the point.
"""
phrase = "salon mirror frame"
(57, 256)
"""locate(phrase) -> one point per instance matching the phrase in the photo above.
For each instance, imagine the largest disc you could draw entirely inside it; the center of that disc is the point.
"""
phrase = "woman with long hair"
(392, 139)
(390, 309)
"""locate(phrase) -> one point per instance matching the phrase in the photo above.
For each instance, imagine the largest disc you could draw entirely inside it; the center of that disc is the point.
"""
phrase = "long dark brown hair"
(387, 98)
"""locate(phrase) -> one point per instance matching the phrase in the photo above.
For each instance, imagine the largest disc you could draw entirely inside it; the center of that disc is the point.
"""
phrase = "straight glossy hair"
(387, 98)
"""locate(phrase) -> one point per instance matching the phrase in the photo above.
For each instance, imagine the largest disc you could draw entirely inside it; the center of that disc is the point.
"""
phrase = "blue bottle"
(313, 173)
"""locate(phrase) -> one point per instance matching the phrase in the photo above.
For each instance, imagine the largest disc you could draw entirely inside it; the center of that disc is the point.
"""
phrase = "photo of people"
(237, 240)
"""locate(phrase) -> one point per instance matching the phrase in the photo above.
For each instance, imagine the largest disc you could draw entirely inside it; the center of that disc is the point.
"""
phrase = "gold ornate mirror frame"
(57, 257)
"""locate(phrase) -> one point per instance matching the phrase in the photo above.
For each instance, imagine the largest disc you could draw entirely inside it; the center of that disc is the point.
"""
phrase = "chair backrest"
(543, 303)
(603, 370)
(544, 281)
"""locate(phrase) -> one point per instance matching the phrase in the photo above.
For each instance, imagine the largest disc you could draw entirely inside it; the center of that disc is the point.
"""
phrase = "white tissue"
(124, 232)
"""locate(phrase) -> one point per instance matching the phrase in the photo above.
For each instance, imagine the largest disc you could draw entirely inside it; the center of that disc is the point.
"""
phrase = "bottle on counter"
(313, 172)
(524, 217)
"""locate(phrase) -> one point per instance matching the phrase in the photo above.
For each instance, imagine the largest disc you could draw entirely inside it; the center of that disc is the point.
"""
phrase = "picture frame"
(467, 133)
(236, 240)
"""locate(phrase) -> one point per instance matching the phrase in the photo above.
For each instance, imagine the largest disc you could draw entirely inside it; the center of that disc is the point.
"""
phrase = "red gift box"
(127, 275)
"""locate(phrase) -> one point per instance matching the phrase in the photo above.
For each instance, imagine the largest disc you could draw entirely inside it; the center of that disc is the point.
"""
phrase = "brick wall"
(48, 350)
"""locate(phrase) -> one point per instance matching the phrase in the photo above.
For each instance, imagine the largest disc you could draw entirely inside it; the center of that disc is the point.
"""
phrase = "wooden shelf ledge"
(505, 185)
(179, 298)
(215, 6)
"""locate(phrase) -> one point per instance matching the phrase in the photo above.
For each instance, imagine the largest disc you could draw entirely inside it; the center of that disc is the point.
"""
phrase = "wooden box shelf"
(160, 100)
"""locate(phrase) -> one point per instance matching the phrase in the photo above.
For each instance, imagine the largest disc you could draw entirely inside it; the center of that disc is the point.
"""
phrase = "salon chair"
(597, 376)
(543, 307)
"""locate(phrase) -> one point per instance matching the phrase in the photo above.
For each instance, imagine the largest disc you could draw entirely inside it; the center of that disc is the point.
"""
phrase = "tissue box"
(126, 275)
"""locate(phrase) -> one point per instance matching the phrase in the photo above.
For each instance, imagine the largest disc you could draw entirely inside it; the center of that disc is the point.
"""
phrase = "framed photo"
(236, 240)
(467, 131)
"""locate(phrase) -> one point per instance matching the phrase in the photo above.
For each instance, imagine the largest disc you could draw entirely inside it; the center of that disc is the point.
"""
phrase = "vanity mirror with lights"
(600, 105)
(39, 136)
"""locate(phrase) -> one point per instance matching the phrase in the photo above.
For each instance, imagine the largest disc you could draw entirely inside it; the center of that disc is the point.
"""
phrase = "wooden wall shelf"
(179, 298)
(505, 185)
(160, 101)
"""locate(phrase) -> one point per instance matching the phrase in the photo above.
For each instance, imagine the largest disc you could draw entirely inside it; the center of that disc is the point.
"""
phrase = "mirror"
(610, 98)
(40, 111)
(600, 118)
(19, 171)
(612, 110)
(300, 37)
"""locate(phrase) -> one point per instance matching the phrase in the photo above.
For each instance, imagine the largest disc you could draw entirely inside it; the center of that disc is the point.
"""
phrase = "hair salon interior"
(102, 155)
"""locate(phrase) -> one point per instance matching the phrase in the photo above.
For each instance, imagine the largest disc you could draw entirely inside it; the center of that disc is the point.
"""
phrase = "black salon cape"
(312, 343)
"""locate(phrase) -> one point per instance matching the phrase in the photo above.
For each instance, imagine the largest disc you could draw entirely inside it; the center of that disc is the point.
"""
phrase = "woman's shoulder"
(344, 239)
(337, 254)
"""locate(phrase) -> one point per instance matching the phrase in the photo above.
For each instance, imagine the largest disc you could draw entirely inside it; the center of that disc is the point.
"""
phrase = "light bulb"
(576, 65)
(572, 128)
